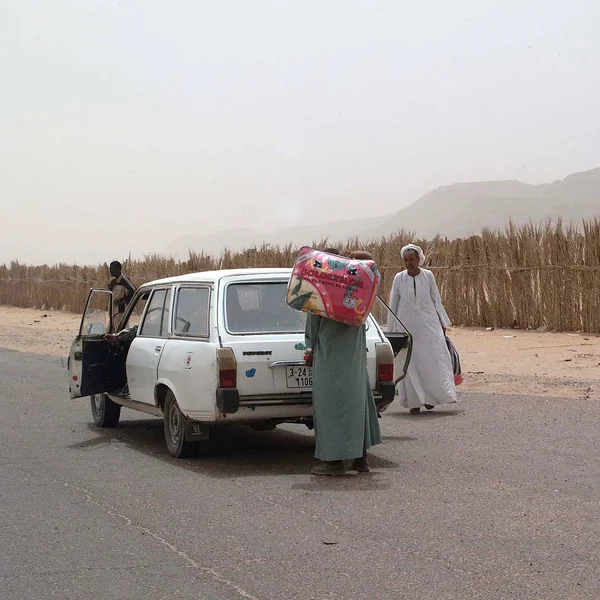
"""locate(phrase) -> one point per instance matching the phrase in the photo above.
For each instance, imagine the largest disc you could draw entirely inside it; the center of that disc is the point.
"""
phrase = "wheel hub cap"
(174, 423)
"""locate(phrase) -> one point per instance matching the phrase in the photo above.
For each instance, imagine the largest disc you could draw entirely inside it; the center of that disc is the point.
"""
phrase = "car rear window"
(261, 308)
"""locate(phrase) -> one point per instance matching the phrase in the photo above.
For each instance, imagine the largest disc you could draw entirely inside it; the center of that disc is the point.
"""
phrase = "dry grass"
(528, 277)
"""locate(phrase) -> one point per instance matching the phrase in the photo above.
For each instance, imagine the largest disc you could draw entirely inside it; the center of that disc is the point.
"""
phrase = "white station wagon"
(205, 349)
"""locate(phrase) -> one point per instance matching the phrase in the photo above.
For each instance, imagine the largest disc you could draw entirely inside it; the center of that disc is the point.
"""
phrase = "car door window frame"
(409, 341)
(140, 332)
(165, 326)
(80, 333)
(131, 306)
(183, 334)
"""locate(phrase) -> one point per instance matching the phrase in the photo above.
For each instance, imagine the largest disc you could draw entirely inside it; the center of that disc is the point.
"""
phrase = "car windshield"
(261, 308)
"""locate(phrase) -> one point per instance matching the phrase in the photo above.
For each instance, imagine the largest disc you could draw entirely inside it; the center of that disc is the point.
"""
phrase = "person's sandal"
(360, 464)
(329, 467)
(414, 411)
(429, 406)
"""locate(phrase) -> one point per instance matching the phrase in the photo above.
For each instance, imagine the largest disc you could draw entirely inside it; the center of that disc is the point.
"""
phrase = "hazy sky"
(124, 125)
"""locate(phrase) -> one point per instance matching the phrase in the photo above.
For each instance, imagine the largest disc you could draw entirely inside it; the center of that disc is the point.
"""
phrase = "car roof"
(204, 276)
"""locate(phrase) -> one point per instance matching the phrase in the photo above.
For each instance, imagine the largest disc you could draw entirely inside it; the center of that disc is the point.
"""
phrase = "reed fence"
(531, 276)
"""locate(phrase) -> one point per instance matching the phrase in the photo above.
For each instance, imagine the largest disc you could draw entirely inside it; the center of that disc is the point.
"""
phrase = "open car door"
(399, 337)
(95, 365)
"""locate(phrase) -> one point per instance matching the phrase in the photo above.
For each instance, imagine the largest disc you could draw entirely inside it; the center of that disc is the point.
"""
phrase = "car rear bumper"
(228, 400)
(277, 399)
(385, 393)
(232, 406)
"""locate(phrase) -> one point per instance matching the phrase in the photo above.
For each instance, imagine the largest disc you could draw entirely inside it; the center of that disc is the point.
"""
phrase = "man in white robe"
(416, 300)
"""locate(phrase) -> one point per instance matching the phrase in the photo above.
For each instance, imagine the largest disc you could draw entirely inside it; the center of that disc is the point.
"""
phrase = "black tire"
(174, 422)
(104, 411)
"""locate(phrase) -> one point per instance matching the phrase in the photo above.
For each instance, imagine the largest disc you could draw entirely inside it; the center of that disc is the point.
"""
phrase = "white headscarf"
(417, 249)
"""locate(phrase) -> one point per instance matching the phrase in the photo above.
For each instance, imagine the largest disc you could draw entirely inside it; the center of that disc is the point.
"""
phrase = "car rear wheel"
(174, 421)
(104, 411)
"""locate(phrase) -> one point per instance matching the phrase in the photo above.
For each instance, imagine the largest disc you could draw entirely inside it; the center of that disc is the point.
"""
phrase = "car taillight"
(227, 366)
(385, 362)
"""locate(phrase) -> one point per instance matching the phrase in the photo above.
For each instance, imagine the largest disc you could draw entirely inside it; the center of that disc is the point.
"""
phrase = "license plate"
(299, 377)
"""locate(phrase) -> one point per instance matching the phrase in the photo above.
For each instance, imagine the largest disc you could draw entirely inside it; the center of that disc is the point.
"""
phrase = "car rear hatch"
(396, 334)
(267, 340)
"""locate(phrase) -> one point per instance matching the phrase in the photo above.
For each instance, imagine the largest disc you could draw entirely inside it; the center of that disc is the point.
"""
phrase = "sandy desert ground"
(500, 361)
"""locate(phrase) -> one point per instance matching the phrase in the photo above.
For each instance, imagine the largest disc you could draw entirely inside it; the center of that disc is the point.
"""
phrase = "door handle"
(158, 349)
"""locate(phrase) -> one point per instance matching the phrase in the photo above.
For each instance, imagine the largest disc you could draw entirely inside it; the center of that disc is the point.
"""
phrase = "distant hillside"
(465, 208)
(456, 210)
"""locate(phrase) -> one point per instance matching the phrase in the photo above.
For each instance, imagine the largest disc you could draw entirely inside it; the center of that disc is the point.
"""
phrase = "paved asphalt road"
(497, 500)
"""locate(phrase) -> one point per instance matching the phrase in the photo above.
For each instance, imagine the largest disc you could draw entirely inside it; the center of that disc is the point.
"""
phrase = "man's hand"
(308, 358)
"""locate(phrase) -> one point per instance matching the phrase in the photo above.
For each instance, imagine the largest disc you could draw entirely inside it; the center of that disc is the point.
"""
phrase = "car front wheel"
(104, 411)
(175, 430)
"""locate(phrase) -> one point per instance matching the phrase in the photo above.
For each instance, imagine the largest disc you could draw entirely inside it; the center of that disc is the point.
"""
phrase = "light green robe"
(345, 415)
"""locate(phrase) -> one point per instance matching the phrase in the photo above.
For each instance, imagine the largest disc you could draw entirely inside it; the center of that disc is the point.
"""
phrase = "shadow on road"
(233, 451)
(353, 482)
(398, 438)
(427, 414)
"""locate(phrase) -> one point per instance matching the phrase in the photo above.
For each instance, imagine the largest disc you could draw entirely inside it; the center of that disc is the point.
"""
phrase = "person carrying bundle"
(345, 415)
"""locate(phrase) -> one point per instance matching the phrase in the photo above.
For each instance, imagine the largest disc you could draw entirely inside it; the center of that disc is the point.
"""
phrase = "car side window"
(151, 324)
(191, 312)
